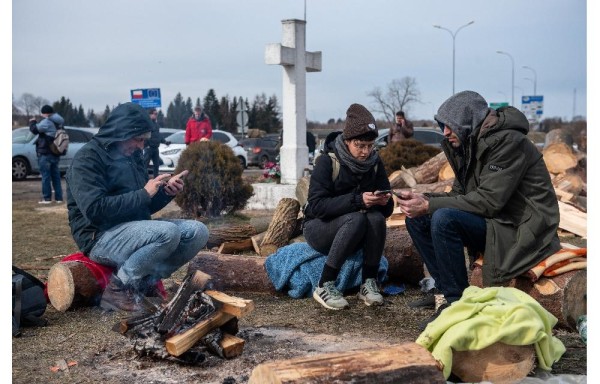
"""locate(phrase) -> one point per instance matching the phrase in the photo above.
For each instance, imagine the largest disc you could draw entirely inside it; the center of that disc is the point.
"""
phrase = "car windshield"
(177, 138)
(21, 135)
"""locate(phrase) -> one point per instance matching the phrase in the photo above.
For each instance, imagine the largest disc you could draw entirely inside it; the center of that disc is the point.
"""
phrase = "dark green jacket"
(105, 188)
(505, 180)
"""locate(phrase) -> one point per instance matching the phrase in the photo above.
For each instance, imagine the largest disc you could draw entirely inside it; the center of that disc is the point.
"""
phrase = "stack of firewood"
(195, 322)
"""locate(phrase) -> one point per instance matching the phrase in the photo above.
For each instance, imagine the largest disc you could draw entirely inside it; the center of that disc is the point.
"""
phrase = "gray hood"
(462, 112)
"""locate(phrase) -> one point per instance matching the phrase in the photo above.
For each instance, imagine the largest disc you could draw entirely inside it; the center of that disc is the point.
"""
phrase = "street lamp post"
(534, 79)
(512, 86)
(453, 34)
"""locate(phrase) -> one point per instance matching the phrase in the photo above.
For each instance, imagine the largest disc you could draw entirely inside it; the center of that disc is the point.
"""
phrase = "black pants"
(151, 153)
(341, 237)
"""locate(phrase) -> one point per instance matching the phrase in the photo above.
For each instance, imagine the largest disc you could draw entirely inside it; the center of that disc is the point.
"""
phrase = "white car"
(169, 154)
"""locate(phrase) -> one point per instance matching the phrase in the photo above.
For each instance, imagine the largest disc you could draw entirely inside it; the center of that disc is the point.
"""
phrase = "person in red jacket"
(198, 127)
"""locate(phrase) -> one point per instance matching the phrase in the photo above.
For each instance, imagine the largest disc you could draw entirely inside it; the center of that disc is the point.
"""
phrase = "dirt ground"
(78, 346)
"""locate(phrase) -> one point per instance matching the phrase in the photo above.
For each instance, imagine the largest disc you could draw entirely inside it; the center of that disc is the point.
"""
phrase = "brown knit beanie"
(359, 122)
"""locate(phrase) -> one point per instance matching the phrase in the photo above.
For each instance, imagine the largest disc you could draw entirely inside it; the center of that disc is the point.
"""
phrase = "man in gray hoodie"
(502, 204)
(48, 161)
(111, 201)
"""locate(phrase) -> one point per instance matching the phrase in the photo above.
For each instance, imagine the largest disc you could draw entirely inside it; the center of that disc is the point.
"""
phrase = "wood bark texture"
(402, 363)
(229, 233)
(283, 224)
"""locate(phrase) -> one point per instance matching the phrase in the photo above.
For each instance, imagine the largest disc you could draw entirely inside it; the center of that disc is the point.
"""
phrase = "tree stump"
(401, 363)
(404, 262)
(558, 135)
(499, 363)
(446, 172)
(564, 295)
(283, 224)
(71, 284)
(239, 273)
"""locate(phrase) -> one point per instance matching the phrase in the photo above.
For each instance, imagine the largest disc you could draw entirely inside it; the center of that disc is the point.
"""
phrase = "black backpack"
(29, 301)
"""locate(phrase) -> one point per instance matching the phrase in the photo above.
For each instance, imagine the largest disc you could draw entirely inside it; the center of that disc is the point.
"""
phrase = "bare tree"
(398, 96)
(31, 104)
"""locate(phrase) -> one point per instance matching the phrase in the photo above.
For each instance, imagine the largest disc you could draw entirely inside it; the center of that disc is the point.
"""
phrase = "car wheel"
(242, 162)
(263, 162)
(20, 168)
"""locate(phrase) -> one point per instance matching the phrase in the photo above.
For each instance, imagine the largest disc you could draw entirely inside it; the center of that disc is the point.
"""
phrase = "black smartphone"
(377, 193)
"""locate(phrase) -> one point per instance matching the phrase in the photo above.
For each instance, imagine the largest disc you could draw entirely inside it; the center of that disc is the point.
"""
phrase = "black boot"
(423, 324)
(427, 301)
(118, 296)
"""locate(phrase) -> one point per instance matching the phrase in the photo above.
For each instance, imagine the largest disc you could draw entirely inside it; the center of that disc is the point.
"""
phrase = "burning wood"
(195, 322)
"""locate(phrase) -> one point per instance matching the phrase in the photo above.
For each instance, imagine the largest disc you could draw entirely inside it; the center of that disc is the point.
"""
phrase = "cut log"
(572, 219)
(239, 273)
(396, 180)
(568, 182)
(229, 233)
(499, 364)
(559, 158)
(429, 171)
(446, 172)
(232, 346)
(71, 284)
(558, 135)
(256, 240)
(235, 306)
(178, 344)
(283, 225)
(237, 246)
(564, 295)
(302, 190)
(402, 363)
(404, 262)
(440, 186)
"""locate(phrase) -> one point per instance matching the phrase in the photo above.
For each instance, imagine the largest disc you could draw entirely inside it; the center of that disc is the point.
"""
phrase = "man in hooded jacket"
(502, 204)
(110, 201)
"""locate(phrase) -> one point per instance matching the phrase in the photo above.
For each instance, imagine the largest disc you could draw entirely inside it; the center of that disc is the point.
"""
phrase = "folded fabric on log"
(298, 267)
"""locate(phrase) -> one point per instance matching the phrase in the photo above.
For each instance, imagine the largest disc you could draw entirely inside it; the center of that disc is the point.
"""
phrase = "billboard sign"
(147, 98)
(533, 107)
(498, 105)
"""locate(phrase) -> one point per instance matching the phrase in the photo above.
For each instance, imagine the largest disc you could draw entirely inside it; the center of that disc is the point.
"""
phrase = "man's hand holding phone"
(174, 185)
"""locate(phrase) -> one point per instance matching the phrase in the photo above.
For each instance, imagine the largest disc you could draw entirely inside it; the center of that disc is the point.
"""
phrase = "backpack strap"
(335, 164)
(17, 307)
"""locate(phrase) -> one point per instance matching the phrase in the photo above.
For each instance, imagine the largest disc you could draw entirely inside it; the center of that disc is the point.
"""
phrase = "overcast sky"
(95, 52)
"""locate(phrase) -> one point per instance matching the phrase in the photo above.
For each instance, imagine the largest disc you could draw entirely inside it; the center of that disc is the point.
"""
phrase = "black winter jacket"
(106, 188)
(329, 198)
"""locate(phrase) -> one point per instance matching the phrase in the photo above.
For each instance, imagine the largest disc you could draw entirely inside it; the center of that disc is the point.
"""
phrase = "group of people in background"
(502, 205)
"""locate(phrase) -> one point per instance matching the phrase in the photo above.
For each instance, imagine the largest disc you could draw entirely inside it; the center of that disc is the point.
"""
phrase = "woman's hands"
(374, 198)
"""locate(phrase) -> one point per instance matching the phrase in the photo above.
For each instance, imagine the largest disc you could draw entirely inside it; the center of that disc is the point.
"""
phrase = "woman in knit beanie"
(344, 214)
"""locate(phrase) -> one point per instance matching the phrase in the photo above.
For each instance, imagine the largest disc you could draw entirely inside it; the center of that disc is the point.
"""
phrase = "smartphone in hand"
(383, 192)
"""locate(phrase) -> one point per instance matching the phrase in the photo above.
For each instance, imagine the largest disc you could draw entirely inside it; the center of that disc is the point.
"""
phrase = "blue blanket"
(297, 267)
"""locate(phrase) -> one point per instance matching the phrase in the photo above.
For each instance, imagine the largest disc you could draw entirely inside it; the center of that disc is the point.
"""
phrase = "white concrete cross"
(296, 62)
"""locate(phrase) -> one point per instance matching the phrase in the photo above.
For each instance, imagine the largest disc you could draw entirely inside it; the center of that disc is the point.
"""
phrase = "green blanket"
(486, 316)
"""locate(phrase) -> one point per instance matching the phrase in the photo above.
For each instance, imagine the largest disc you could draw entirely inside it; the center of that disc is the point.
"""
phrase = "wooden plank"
(232, 346)
(236, 246)
(232, 305)
(572, 219)
(401, 363)
(180, 343)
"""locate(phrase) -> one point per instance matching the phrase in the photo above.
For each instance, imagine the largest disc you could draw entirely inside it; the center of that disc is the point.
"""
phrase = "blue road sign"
(533, 107)
(147, 98)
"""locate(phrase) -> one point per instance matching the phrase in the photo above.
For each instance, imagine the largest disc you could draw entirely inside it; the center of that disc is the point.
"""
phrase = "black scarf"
(356, 166)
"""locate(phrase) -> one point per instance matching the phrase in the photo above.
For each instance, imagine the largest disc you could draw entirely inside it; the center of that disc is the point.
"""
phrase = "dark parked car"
(261, 150)
(24, 158)
(426, 135)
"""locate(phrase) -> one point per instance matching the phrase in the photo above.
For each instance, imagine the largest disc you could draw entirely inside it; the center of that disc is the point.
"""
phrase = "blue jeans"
(148, 250)
(50, 177)
(441, 239)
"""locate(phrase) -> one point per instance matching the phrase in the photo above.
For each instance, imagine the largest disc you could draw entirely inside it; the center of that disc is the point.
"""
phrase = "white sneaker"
(369, 293)
(45, 202)
(329, 296)
(58, 201)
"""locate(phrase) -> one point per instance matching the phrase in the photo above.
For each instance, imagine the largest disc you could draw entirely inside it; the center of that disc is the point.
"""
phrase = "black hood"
(125, 122)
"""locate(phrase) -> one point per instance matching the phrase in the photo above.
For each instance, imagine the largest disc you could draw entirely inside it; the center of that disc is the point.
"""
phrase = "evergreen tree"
(211, 108)
(178, 112)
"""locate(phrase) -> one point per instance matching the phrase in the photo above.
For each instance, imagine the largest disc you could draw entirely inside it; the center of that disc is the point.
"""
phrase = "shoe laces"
(332, 291)
(371, 286)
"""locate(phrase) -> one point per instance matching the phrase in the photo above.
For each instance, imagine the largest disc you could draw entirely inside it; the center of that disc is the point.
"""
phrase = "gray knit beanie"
(462, 112)
(359, 122)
